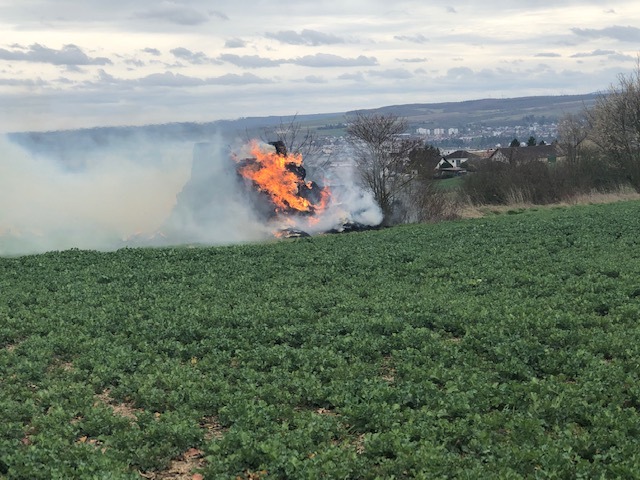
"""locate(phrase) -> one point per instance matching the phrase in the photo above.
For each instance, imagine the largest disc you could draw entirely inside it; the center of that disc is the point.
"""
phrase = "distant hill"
(489, 112)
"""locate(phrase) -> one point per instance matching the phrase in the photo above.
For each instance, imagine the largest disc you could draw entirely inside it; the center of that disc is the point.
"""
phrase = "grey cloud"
(451, 9)
(74, 69)
(305, 37)
(195, 58)
(419, 38)
(175, 13)
(567, 43)
(610, 54)
(235, 43)
(412, 60)
(134, 62)
(617, 32)
(393, 73)
(315, 79)
(105, 77)
(249, 61)
(152, 51)
(233, 79)
(595, 53)
(330, 60)
(67, 55)
(21, 82)
(622, 57)
(459, 72)
(547, 54)
(169, 79)
(356, 77)
(218, 14)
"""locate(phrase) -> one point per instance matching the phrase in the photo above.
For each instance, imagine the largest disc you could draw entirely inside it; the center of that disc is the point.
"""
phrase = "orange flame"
(325, 195)
(270, 173)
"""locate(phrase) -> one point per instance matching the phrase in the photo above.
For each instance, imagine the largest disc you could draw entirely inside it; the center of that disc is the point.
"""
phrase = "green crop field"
(450, 184)
(502, 347)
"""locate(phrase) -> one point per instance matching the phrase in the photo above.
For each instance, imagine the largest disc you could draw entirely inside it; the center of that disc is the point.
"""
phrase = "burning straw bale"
(282, 179)
(262, 191)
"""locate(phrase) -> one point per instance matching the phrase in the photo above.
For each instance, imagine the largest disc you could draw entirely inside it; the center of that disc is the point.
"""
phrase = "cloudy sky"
(83, 63)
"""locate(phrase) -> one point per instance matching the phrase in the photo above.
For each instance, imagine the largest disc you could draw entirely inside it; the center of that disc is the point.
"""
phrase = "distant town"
(449, 139)
(487, 137)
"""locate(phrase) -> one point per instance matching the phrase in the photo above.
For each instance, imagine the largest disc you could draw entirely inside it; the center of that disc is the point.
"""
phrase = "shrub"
(539, 183)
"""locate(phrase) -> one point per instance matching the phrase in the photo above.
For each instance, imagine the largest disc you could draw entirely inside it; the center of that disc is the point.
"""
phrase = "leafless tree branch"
(382, 158)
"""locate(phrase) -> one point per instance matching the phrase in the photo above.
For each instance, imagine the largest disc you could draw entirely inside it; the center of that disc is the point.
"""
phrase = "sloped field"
(501, 347)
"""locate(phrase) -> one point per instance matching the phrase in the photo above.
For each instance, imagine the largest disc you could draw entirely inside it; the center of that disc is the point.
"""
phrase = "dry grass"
(387, 371)
(326, 411)
(212, 427)
(467, 210)
(58, 364)
(623, 194)
(183, 467)
(126, 410)
(180, 468)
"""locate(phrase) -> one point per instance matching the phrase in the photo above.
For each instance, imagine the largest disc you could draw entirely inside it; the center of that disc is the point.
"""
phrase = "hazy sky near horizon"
(84, 63)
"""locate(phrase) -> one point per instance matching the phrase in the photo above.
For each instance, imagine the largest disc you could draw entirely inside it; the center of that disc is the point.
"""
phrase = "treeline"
(599, 150)
(539, 183)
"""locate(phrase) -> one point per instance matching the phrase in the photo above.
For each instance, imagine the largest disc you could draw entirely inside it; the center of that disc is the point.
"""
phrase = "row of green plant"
(502, 347)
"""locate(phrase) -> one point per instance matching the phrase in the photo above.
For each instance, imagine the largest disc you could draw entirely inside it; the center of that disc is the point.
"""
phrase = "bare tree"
(382, 160)
(615, 121)
(299, 139)
(573, 130)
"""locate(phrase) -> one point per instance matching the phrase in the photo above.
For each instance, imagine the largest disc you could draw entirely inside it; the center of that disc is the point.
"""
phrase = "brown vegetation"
(469, 210)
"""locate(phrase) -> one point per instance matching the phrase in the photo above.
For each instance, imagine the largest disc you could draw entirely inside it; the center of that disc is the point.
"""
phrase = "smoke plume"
(142, 192)
(45, 205)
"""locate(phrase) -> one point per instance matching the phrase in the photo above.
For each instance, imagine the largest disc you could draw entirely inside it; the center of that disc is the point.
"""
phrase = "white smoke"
(212, 208)
(145, 192)
(349, 203)
(217, 207)
(45, 206)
